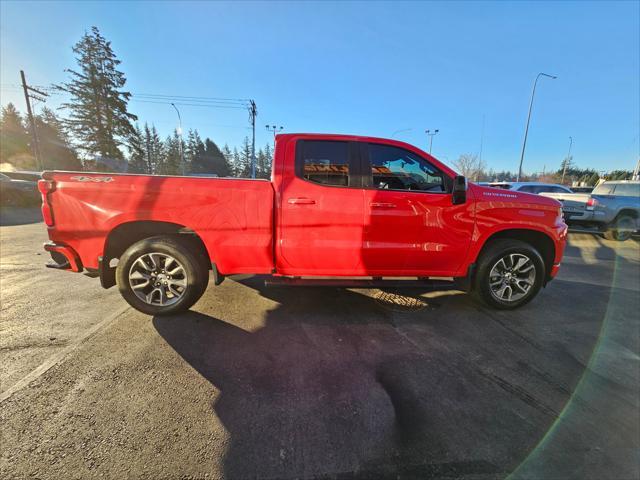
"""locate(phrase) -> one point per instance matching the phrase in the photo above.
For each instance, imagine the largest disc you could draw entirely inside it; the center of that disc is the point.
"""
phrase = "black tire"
(195, 277)
(620, 229)
(491, 256)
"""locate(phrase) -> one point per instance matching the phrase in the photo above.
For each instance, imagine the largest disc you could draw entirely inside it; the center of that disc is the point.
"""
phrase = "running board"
(362, 283)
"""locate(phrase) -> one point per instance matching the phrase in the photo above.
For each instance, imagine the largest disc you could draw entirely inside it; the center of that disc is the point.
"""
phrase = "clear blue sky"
(366, 68)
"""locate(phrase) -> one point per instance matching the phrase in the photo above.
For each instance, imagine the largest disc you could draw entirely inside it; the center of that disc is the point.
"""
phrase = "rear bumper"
(64, 257)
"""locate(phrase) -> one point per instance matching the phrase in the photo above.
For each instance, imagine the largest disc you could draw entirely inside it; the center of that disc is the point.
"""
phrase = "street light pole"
(566, 160)
(431, 134)
(180, 139)
(275, 129)
(526, 130)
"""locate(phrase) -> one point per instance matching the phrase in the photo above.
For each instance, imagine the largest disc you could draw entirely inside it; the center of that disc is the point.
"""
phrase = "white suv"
(531, 187)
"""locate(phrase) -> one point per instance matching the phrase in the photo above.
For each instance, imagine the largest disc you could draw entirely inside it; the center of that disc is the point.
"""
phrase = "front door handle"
(301, 201)
(382, 205)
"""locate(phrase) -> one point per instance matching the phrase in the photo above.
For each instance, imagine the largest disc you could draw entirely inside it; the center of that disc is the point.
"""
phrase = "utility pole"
(566, 160)
(182, 164)
(431, 134)
(526, 130)
(253, 112)
(34, 131)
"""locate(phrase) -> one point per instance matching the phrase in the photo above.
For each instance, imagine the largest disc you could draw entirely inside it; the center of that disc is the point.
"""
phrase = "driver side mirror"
(459, 195)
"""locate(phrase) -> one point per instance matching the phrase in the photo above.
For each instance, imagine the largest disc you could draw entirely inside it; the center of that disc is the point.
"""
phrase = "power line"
(238, 107)
(243, 101)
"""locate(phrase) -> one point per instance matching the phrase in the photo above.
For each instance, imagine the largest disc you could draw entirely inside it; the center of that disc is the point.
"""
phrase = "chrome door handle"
(301, 201)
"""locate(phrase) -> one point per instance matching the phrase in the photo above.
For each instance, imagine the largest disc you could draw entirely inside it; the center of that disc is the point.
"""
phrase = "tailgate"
(572, 203)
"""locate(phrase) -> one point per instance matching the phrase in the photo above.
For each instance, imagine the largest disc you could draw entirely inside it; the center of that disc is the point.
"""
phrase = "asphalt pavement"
(310, 383)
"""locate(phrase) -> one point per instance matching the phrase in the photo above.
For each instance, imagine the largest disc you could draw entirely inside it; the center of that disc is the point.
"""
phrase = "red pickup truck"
(339, 210)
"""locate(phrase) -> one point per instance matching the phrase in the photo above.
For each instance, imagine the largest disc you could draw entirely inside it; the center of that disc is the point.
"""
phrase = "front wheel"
(621, 229)
(161, 276)
(510, 274)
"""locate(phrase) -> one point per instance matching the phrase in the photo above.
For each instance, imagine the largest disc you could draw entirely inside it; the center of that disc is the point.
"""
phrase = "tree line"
(475, 169)
(147, 153)
(98, 133)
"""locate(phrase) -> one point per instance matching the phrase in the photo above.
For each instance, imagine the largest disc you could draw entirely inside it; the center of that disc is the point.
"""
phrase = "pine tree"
(154, 150)
(228, 158)
(264, 159)
(98, 107)
(213, 160)
(137, 152)
(268, 153)
(261, 164)
(172, 163)
(236, 165)
(244, 167)
(194, 151)
(14, 140)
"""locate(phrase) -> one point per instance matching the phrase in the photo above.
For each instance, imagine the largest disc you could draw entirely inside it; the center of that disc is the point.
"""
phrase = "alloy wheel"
(158, 279)
(512, 277)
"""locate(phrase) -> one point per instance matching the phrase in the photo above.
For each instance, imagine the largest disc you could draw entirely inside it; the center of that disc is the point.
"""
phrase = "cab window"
(324, 162)
(394, 168)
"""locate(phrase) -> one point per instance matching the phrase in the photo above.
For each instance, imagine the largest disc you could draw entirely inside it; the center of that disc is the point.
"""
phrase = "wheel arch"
(126, 234)
(537, 239)
(627, 212)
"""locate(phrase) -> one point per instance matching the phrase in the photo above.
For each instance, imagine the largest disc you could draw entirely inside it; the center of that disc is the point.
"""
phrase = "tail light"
(592, 203)
(46, 187)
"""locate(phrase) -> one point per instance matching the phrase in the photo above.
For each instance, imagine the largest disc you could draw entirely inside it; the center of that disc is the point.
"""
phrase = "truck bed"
(233, 217)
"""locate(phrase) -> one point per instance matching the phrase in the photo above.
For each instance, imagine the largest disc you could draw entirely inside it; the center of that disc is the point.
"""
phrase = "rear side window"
(324, 162)
(528, 189)
(628, 189)
(394, 168)
(604, 189)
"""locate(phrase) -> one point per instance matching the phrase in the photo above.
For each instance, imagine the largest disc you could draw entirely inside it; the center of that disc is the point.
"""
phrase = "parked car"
(531, 187)
(613, 208)
(337, 207)
(17, 192)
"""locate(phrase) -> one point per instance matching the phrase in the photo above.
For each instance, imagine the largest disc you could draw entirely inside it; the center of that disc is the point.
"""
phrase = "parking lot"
(259, 382)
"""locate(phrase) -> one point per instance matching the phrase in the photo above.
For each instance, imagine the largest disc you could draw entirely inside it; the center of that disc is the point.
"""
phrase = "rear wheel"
(161, 276)
(621, 229)
(510, 274)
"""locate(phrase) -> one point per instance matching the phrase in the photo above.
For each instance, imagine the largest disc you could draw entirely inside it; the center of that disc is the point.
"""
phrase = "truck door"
(411, 224)
(321, 210)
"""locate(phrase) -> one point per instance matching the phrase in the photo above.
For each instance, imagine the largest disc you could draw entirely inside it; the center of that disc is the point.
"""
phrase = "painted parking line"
(60, 356)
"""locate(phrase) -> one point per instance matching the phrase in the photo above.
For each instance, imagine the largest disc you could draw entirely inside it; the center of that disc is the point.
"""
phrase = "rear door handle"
(301, 201)
(382, 205)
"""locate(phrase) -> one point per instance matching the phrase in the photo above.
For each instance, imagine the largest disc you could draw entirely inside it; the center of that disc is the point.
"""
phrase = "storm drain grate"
(400, 303)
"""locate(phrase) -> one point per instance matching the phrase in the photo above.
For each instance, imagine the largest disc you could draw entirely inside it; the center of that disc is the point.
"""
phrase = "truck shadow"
(334, 386)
